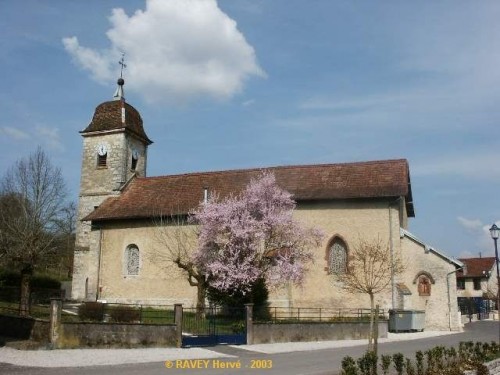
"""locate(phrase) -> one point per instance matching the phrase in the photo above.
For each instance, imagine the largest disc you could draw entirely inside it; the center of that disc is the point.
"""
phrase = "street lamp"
(495, 232)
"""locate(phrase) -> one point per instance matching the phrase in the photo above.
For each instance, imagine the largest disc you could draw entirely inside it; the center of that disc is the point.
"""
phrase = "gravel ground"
(95, 357)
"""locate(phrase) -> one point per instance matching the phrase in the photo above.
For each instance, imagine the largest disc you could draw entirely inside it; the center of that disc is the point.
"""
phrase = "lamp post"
(495, 232)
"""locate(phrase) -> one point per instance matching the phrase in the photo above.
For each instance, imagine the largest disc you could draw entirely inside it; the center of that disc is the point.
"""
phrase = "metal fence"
(475, 306)
(313, 314)
(117, 313)
(213, 320)
(39, 301)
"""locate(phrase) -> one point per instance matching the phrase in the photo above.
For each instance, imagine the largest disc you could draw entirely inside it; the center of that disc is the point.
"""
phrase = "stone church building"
(115, 236)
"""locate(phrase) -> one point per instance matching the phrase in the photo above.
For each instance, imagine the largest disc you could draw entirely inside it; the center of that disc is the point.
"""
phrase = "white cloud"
(14, 133)
(95, 62)
(485, 242)
(471, 225)
(45, 135)
(50, 137)
(482, 238)
(248, 103)
(466, 164)
(175, 50)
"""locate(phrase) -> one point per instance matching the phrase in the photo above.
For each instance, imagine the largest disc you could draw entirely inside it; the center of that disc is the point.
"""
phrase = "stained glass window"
(132, 260)
(337, 258)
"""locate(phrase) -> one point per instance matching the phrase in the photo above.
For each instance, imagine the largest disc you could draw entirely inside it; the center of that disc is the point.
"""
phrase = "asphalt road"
(327, 361)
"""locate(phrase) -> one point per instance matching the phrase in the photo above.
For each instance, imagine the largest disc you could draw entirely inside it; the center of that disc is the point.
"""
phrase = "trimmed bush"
(440, 361)
(93, 311)
(349, 366)
(125, 314)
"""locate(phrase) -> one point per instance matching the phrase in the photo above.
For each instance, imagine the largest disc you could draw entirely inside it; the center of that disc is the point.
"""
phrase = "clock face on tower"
(102, 149)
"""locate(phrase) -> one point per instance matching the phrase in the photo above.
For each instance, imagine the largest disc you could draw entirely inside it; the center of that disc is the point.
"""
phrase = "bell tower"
(114, 151)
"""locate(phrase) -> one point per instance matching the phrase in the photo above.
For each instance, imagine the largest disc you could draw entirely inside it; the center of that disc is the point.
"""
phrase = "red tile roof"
(178, 194)
(476, 266)
(108, 117)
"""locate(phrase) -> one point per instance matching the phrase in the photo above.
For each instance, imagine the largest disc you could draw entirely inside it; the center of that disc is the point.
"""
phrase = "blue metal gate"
(213, 325)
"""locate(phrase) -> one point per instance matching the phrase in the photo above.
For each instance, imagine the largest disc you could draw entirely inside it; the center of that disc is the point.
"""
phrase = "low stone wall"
(264, 333)
(80, 335)
(24, 328)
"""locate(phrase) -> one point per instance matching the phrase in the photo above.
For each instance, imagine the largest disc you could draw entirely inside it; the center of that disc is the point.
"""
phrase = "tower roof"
(117, 115)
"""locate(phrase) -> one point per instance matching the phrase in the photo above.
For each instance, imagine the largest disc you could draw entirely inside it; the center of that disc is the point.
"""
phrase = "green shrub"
(124, 314)
(419, 356)
(10, 278)
(440, 361)
(258, 295)
(13, 279)
(399, 363)
(410, 369)
(349, 366)
(481, 369)
(45, 282)
(93, 311)
(385, 363)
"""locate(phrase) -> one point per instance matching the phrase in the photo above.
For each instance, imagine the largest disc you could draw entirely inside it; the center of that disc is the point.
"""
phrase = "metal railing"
(313, 314)
(213, 320)
(39, 301)
(117, 313)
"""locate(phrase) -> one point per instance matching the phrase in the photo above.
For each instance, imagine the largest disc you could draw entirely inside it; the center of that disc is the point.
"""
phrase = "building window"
(337, 257)
(134, 164)
(132, 260)
(461, 284)
(424, 286)
(135, 158)
(477, 284)
(102, 161)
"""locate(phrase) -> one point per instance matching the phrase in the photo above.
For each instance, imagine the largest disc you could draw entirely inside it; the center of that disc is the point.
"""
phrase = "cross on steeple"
(119, 94)
(122, 63)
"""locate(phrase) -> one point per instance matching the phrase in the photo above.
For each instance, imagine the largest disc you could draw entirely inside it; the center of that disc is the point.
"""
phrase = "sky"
(235, 84)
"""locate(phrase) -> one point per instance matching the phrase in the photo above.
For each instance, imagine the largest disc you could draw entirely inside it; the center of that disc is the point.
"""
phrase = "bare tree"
(35, 193)
(176, 240)
(60, 259)
(369, 270)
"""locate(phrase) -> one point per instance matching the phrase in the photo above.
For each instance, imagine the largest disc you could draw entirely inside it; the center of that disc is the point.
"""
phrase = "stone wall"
(161, 282)
(441, 307)
(96, 185)
(349, 220)
(264, 333)
(106, 335)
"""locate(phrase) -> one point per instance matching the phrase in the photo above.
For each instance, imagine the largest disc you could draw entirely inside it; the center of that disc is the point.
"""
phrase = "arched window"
(132, 260)
(337, 257)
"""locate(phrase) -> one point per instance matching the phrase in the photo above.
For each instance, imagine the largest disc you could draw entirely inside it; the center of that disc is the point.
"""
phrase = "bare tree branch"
(176, 240)
(33, 193)
(369, 271)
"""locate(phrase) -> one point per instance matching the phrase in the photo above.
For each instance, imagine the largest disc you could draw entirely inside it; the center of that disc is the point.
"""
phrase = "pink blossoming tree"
(253, 236)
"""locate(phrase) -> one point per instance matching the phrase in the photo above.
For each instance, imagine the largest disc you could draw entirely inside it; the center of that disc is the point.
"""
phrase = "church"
(118, 203)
